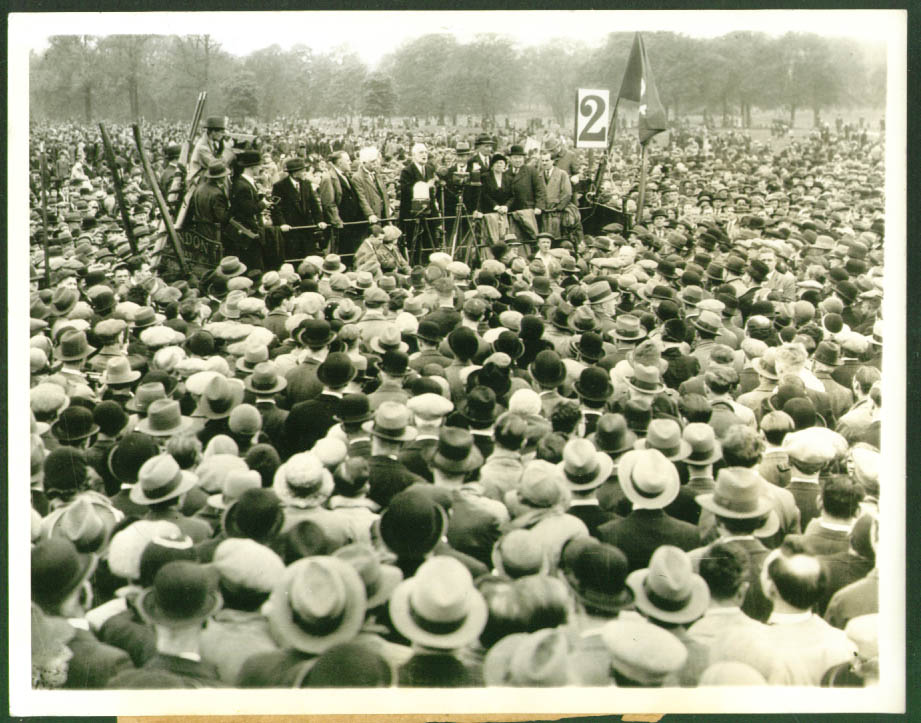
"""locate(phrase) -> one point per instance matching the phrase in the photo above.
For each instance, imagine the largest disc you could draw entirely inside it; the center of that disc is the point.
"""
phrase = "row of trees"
(132, 76)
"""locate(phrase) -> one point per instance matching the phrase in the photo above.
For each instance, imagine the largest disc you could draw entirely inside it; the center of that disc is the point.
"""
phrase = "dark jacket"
(409, 177)
(642, 531)
(527, 187)
(94, 663)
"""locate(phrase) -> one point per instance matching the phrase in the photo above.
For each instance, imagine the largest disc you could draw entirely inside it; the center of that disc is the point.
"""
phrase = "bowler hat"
(336, 370)
(597, 574)
(183, 592)
(669, 590)
(73, 424)
(57, 570)
(516, 150)
(395, 363)
(256, 514)
(589, 346)
(314, 333)
(548, 369)
(412, 524)
(128, 456)
(594, 384)
(353, 408)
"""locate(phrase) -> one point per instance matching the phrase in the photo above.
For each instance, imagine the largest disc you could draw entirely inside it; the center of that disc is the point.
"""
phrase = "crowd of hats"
(521, 472)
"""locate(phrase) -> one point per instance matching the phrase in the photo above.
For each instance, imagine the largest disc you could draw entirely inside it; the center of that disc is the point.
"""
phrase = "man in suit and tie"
(298, 205)
(559, 194)
(414, 202)
(340, 203)
(371, 191)
(529, 193)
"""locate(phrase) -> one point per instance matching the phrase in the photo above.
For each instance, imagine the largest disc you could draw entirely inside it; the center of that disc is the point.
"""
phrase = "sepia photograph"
(457, 362)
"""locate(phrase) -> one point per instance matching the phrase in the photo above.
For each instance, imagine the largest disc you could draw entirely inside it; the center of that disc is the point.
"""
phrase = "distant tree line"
(124, 77)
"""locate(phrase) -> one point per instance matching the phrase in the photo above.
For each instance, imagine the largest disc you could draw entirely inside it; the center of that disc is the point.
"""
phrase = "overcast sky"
(374, 34)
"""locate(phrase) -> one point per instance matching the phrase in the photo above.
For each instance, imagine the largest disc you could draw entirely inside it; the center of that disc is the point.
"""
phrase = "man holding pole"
(298, 206)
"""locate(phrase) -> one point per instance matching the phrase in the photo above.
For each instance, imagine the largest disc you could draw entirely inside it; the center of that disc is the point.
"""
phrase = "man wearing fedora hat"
(209, 209)
(161, 483)
(586, 469)
(671, 595)
(825, 360)
(265, 384)
(298, 205)
(745, 516)
(650, 483)
(390, 429)
(440, 612)
(183, 597)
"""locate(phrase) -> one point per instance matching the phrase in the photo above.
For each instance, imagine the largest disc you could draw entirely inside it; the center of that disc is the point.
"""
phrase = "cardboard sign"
(592, 110)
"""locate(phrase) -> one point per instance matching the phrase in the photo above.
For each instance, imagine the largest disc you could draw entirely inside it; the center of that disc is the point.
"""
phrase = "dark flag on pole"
(640, 87)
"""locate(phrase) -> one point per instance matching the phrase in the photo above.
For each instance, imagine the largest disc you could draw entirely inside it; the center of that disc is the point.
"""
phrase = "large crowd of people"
(643, 457)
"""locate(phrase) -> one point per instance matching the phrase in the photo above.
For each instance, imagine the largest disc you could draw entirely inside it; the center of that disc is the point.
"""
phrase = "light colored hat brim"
(641, 502)
(684, 449)
(402, 618)
(708, 502)
(289, 633)
(605, 469)
(137, 495)
(185, 424)
(696, 606)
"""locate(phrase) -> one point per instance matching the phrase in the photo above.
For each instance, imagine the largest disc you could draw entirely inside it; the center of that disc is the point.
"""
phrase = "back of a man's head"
(725, 568)
(866, 377)
(798, 578)
(841, 497)
(742, 447)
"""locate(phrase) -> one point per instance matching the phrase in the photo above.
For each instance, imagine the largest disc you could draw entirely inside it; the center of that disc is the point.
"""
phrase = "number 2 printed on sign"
(596, 129)
(592, 118)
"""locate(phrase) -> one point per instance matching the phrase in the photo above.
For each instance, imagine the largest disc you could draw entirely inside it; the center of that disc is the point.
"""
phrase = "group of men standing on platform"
(291, 222)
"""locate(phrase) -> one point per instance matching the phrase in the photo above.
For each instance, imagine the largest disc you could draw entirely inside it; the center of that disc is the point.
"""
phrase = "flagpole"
(642, 199)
